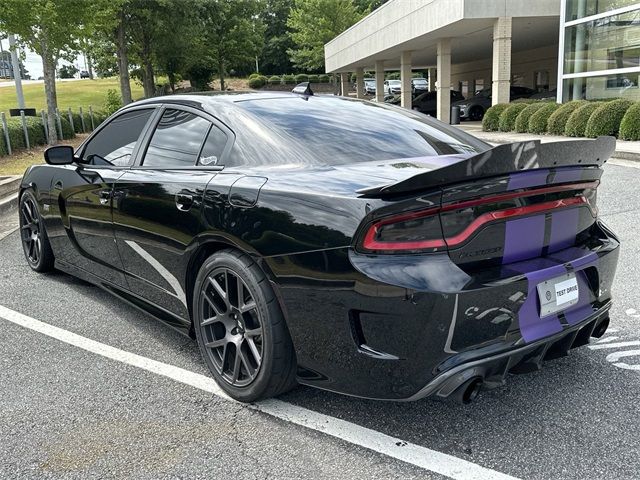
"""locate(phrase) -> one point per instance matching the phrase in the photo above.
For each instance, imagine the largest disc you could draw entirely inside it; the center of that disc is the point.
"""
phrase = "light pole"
(16, 71)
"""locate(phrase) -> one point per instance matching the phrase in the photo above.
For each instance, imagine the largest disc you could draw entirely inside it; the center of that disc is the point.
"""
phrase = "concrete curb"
(8, 204)
(9, 185)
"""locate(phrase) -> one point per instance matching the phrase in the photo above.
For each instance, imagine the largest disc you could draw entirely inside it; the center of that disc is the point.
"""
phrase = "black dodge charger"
(351, 246)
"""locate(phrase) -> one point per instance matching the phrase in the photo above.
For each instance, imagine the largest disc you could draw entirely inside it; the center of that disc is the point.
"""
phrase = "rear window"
(340, 131)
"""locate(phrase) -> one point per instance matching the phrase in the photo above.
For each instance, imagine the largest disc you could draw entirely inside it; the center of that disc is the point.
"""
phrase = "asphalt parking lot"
(71, 407)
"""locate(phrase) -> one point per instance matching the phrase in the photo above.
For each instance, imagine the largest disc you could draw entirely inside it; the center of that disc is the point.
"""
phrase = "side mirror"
(59, 155)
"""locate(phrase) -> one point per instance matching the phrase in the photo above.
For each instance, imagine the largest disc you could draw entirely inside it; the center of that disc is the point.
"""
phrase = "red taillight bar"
(370, 242)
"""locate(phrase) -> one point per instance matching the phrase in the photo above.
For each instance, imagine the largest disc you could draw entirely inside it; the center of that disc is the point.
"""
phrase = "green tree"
(233, 33)
(67, 71)
(51, 29)
(274, 59)
(314, 23)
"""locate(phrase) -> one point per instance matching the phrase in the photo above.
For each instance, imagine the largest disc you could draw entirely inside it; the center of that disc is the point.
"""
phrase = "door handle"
(184, 201)
(105, 196)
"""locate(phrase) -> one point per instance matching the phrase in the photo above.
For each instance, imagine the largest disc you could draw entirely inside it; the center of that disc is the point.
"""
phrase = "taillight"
(423, 231)
(416, 231)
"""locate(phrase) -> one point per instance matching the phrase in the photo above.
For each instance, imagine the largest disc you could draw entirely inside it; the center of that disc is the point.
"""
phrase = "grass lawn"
(17, 163)
(80, 93)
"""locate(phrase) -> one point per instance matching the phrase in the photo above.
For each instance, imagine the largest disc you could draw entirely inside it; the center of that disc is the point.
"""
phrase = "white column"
(405, 80)
(443, 85)
(360, 82)
(380, 81)
(432, 79)
(344, 84)
(501, 61)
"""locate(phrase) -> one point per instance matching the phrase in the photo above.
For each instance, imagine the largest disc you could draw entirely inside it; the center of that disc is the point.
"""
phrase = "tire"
(243, 338)
(35, 243)
(476, 114)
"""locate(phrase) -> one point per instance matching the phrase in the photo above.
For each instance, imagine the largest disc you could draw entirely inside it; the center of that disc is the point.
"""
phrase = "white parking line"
(422, 457)
(632, 343)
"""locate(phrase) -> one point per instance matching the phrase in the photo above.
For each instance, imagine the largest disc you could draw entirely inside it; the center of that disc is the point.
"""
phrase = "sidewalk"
(624, 150)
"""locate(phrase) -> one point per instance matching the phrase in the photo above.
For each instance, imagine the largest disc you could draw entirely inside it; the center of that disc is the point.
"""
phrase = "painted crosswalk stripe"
(431, 460)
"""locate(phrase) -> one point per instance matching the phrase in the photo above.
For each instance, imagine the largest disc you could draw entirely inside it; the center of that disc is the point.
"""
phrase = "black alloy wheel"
(476, 114)
(35, 243)
(240, 328)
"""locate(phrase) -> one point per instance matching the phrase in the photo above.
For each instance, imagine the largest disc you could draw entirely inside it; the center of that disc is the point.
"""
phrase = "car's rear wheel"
(240, 328)
(476, 114)
(36, 246)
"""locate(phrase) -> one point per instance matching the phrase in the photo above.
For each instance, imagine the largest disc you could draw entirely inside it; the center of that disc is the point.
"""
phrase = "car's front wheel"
(240, 328)
(35, 243)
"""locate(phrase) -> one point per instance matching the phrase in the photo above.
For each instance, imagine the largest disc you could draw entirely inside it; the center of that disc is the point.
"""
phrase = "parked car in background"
(392, 86)
(473, 108)
(544, 94)
(419, 85)
(369, 86)
(427, 102)
(84, 74)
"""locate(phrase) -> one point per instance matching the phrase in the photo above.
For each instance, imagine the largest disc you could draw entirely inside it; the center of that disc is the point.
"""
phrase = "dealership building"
(579, 48)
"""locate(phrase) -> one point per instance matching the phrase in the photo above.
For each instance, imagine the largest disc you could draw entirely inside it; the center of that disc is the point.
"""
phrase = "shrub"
(525, 100)
(507, 120)
(558, 119)
(67, 131)
(275, 80)
(113, 102)
(254, 75)
(324, 78)
(302, 77)
(35, 130)
(313, 79)
(540, 119)
(630, 125)
(577, 122)
(522, 120)
(393, 76)
(605, 120)
(288, 79)
(257, 82)
(491, 119)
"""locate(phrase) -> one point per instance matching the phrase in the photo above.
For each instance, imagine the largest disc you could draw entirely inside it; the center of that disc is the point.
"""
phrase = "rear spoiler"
(505, 159)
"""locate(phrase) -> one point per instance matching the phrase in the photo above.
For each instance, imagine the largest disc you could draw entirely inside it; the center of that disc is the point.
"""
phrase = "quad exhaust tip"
(601, 328)
(468, 391)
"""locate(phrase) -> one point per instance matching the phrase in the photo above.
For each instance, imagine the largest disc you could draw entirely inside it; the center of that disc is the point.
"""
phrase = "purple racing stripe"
(530, 178)
(523, 238)
(564, 228)
(581, 310)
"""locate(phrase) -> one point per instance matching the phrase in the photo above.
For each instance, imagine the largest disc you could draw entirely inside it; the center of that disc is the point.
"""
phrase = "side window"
(177, 140)
(213, 147)
(113, 145)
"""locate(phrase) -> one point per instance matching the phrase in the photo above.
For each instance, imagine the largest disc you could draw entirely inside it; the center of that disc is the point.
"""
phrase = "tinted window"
(115, 142)
(213, 147)
(339, 131)
(177, 140)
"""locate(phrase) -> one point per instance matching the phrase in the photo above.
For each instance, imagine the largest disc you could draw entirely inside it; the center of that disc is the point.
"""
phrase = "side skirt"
(180, 325)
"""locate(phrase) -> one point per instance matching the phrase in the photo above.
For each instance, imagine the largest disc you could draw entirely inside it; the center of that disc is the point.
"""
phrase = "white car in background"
(392, 86)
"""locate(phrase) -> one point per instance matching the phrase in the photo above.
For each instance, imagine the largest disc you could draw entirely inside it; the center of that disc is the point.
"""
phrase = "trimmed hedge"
(507, 120)
(302, 77)
(275, 80)
(522, 120)
(577, 122)
(605, 120)
(324, 78)
(539, 120)
(491, 119)
(258, 82)
(558, 119)
(313, 79)
(288, 79)
(630, 125)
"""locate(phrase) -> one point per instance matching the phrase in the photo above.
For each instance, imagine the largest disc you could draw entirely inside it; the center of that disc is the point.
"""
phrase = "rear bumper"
(395, 327)
(493, 369)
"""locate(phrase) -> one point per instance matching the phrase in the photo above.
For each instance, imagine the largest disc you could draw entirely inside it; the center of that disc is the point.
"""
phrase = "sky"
(33, 62)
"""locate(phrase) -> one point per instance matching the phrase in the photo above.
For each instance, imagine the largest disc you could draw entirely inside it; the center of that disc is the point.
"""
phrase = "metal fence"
(82, 127)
